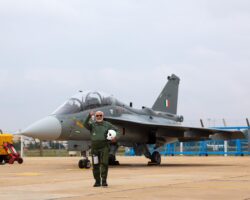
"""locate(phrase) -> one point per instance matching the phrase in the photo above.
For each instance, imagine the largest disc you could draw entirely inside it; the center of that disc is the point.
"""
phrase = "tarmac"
(178, 177)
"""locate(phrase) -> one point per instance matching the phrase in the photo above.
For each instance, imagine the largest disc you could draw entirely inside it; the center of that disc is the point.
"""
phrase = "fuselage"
(66, 123)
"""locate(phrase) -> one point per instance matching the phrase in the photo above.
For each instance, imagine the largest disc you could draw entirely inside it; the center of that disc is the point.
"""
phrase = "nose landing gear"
(85, 162)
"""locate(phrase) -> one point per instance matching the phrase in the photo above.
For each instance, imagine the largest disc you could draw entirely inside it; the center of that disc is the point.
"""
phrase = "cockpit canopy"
(84, 101)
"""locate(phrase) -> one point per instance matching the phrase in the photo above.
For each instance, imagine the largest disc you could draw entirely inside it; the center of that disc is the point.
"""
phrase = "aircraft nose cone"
(48, 128)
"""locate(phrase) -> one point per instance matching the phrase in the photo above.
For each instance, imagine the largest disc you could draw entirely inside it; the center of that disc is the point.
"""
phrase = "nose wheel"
(84, 163)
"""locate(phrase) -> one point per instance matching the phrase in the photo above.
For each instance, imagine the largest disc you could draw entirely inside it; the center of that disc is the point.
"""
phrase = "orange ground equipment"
(8, 154)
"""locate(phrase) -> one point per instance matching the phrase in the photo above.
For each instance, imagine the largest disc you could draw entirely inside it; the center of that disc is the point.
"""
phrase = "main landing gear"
(155, 158)
(112, 160)
(112, 153)
(85, 162)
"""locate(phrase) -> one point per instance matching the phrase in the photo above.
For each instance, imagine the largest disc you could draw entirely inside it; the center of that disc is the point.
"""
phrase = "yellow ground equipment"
(8, 154)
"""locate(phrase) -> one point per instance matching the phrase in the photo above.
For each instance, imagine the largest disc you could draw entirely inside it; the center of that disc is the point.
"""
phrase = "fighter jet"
(139, 128)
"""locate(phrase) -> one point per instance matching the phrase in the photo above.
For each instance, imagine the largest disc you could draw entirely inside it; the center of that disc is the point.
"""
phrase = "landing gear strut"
(85, 162)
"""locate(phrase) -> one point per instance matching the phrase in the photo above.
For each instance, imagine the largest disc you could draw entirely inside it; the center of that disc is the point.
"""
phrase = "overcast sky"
(49, 49)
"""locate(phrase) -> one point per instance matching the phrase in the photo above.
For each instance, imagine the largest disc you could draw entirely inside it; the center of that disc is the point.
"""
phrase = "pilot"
(100, 146)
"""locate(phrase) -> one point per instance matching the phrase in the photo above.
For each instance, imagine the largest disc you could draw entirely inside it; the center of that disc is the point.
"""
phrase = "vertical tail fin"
(167, 100)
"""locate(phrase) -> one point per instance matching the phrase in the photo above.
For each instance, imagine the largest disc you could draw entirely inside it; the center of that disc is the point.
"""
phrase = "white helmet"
(111, 135)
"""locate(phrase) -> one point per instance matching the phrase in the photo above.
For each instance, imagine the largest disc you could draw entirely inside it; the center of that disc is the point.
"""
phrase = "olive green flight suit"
(100, 147)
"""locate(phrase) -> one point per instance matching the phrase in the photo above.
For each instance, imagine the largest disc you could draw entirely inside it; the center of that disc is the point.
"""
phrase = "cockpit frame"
(85, 101)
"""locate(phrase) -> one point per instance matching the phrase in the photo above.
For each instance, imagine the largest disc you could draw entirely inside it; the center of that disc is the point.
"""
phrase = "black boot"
(104, 183)
(97, 183)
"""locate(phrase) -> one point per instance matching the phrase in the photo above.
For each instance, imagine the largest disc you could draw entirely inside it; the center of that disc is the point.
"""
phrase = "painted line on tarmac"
(28, 174)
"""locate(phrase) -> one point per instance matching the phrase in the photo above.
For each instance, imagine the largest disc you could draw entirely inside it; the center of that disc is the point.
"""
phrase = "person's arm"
(87, 123)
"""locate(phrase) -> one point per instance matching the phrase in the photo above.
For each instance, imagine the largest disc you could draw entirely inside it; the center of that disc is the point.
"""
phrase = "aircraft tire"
(156, 157)
(84, 163)
(112, 160)
(81, 164)
(88, 164)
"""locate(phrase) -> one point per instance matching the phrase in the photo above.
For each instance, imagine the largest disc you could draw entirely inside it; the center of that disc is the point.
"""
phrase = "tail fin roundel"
(167, 100)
